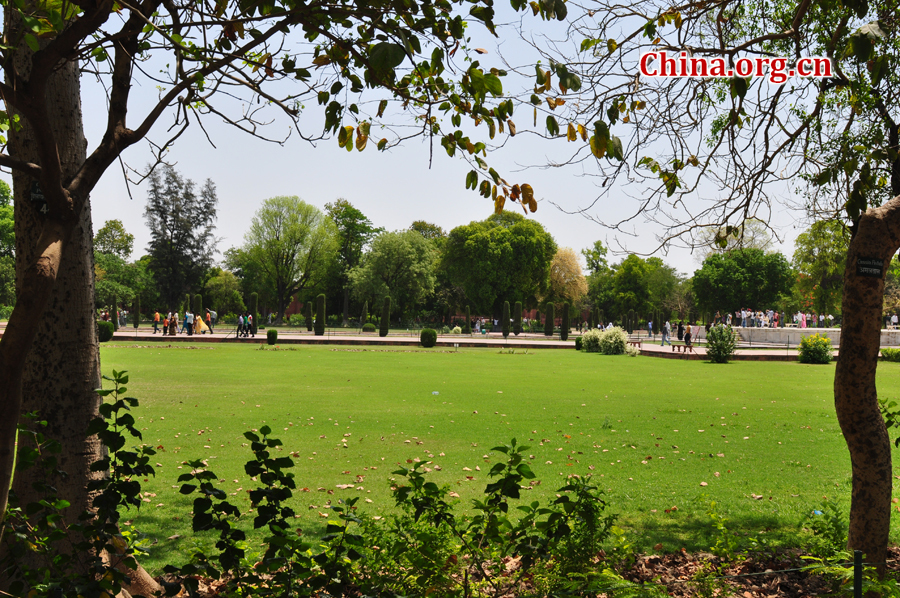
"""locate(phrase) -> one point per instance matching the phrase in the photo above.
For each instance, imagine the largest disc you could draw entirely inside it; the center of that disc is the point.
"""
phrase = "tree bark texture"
(855, 396)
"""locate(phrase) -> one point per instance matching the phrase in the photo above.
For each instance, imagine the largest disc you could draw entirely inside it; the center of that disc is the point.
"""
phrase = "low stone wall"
(780, 336)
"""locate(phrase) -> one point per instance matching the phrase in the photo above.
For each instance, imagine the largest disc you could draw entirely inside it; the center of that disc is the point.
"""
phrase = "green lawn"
(651, 431)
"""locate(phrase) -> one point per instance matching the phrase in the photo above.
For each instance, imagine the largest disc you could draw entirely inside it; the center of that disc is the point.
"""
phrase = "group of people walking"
(684, 332)
(191, 323)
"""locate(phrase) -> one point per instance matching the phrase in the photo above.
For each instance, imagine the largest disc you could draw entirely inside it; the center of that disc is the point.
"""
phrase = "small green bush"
(445, 330)
(456, 330)
(549, 316)
(271, 336)
(368, 327)
(428, 338)
(632, 351)
(504, 320)
(590, 340)
(578, 343)
(321, 317)
(890, 354)
(720, 344)
(815, 349)
(613, 341)
(105, 331)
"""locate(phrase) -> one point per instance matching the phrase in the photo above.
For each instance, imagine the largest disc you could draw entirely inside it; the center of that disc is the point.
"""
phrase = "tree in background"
(595, 256)
(742, 278)
(631, 289)
(112, 238)
(567, 281)
(223, 294)
(820, 256)
(354, 232)
(467, 328)
(430, 231)
(292, 243)
(198, 306)
(364, 315)
(505, 256)
(7, 247)
(753, 233)
(399, 264)
(181, 224)
(564, 328)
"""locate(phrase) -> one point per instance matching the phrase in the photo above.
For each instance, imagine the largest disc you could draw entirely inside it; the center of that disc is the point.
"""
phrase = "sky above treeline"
(392, 188)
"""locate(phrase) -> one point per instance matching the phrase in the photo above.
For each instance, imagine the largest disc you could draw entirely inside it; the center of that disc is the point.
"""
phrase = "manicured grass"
(648, 430)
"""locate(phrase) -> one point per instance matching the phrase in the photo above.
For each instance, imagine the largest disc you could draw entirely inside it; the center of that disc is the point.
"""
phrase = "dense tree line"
(293, 252)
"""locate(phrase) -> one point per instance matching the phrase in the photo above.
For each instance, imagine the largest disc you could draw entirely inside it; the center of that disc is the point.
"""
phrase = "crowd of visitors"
(191, 323)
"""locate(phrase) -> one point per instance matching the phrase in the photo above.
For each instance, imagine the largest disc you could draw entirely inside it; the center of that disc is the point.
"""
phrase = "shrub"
(385, 317)
(578, 343)
(564, 331)
(428, 338)
(590, 340)
(632, 351)
(137, 312)
(114, 314)
(445, 330)
(720, 344)
(549, 316)
(271, 336)
(467, 327)
(5, 311)
(517, 318)
(815, 349)
(320, 315)
(198, 305)
(890, 354)
(613, 341)
(456, 330)
(504, 319)
(368, 327)
(309, 316)
(105, 331)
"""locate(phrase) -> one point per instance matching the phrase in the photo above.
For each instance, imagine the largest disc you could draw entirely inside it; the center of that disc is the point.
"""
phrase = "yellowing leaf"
(583, 132)
(532, 205)
(321, 60)
(527, 193)
(571, 133)
(597, 148)
(512, 127)
(361, 141)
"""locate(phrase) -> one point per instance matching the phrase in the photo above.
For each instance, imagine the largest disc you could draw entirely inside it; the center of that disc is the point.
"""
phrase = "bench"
(683, 348)
(635, 343)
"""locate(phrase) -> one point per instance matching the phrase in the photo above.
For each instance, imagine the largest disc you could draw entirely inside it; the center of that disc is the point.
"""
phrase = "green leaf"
(32, 42)
(384, 58)
(738, 87)
(493, 85)
(552, 126)
(561, 11)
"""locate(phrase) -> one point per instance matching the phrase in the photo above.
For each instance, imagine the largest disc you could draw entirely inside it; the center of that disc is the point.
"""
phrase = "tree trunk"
(855, 396)
(49, 355)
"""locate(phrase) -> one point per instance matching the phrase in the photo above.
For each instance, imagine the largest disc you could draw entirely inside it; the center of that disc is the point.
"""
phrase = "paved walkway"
(292, 336)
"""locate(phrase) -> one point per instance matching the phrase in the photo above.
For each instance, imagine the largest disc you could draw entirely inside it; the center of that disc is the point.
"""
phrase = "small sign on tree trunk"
(870, 266)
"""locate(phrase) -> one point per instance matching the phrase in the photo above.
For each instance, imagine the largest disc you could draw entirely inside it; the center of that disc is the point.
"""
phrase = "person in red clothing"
(156, 322)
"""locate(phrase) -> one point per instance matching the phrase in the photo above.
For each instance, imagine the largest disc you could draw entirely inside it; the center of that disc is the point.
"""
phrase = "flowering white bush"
(632, 351)
(456, 330)
(590, 341)
(613, 341)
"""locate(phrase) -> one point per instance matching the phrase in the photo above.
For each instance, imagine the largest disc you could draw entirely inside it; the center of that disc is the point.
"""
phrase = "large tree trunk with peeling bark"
(877, 236)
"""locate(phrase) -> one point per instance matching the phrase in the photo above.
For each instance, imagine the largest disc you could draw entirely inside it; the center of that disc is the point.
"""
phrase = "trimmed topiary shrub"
(368, 327)
(114, 316)
(578, 343)
(517, 318)
(564, 331)
(549, 316)
(428, 338)
(445, 330)
(613, 341)
(309, 316)
(198, 305)
(467, 327)
(105, 331)
(271, 336)
(320, 314)
(456, 330)
(504, 319)
(137, 312)
(590, 341)
(720, 344)
(385, 323)
(815, 349)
